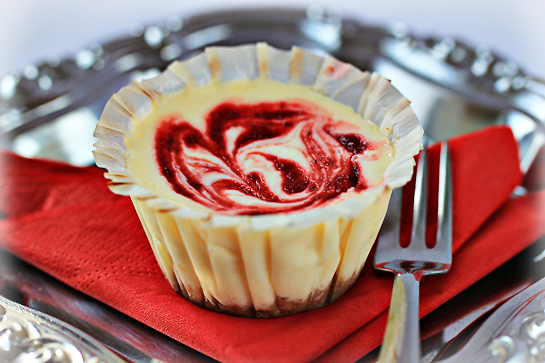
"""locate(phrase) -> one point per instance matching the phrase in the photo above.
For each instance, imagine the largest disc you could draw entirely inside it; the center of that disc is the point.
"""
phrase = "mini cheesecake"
(261, 176)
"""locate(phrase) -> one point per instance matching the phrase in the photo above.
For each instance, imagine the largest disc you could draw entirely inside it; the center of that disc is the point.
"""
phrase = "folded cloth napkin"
(65, 221)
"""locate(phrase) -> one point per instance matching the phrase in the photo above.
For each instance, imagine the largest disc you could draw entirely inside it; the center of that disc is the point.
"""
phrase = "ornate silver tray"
(50, 110)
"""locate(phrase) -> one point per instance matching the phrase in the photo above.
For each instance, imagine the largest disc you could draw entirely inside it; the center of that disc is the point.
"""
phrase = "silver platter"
(50, 110)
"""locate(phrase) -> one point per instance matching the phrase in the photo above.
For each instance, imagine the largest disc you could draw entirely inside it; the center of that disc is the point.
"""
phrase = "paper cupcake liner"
(264, 265)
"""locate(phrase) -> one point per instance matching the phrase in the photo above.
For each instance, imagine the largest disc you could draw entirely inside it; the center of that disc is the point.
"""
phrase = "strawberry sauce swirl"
(262, 158)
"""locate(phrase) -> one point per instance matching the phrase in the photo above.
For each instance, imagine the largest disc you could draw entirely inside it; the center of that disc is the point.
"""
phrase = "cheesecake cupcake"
(261, 176)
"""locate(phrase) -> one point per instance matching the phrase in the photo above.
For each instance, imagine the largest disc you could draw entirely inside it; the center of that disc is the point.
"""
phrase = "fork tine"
(418, 236)
(444, 216)
(389, 233)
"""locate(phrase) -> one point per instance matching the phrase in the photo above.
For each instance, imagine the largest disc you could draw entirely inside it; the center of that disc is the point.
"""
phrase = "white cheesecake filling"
(255, 147)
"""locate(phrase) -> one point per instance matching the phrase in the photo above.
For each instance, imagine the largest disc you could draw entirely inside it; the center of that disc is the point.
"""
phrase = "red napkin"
(65, 221)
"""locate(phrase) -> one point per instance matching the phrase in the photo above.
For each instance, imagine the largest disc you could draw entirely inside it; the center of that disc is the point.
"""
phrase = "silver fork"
(402, 338)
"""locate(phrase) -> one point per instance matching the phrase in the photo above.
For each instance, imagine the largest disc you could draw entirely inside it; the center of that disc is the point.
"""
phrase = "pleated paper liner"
(264, 265)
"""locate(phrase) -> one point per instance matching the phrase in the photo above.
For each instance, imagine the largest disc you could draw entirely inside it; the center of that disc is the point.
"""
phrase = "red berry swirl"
(262, 158)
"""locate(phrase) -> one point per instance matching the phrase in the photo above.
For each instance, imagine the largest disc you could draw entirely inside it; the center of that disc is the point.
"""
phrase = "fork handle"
(402, 338)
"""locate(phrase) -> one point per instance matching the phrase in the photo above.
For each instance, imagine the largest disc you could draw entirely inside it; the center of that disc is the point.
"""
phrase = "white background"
(33, 30)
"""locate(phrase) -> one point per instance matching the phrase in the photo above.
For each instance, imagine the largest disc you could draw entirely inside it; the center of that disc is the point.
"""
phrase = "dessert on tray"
(261, 176)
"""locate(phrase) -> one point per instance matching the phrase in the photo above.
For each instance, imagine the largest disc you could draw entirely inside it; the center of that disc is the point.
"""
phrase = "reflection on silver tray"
(514, 333)
(50, 110)
(31, 336)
